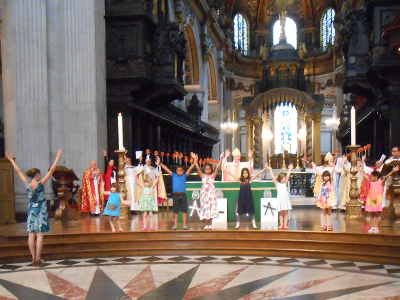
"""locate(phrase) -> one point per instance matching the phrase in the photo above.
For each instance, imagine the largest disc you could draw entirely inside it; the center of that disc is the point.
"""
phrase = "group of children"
(372, 195)
(208, 209)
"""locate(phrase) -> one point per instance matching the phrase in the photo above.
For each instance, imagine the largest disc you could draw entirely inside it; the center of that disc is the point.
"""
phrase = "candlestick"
(353, 207)
(121, 181)
(353, 125)
(120, 133)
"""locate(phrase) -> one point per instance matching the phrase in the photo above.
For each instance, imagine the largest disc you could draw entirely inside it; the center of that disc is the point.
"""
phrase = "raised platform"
(90, 237)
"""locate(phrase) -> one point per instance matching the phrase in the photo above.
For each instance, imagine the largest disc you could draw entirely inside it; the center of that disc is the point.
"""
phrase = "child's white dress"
(283, 197)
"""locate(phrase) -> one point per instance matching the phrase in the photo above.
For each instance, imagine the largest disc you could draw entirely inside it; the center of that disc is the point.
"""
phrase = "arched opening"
(192, 74)
(290, 31)
(327, 29)
(285, 125)
(241, 33)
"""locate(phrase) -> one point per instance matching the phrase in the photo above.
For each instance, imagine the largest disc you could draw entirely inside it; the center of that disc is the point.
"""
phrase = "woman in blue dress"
(113, 207)
(38, 218)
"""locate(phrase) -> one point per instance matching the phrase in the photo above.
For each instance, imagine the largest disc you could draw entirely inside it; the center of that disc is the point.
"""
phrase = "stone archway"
(259, 117)
(192, 69)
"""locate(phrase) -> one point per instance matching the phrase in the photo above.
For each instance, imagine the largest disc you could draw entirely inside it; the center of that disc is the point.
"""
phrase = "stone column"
(25, 86)
(250, 134)
(266, 144)
(309, 138)
(76, 50)
(53, 59)
(317, 138)
(257, 142)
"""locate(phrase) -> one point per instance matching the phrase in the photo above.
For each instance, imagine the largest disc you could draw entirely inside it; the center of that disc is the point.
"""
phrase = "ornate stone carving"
(169, 49)
(356, 44)
(206, 45)
(195, 108)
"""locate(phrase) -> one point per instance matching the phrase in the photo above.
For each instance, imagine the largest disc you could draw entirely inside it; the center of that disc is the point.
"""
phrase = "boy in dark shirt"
(179, 179)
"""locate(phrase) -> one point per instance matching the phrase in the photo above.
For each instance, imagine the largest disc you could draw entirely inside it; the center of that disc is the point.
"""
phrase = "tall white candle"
(120, 133)
(353, 126)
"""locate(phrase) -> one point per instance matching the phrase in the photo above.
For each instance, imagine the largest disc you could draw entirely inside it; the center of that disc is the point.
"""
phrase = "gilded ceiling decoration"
(262, 11)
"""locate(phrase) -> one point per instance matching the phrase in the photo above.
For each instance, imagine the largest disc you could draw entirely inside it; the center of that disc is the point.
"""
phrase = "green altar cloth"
(231, 192)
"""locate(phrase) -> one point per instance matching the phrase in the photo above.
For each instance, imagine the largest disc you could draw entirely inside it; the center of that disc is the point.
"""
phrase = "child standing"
(326, 200)
(245, 203)
(283, 196)
(208, 200)
(113, 207)
(179, 179)
(147, 203)
(374, 197)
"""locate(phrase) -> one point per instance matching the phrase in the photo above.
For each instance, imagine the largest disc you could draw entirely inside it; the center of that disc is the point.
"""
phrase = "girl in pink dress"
(208, 200)
(326, 200)
(374, 197)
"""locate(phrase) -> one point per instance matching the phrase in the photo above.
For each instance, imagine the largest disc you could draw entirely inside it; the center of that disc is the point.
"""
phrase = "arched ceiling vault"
(261, 11)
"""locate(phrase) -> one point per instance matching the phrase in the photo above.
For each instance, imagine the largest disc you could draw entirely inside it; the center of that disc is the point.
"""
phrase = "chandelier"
(229, 125)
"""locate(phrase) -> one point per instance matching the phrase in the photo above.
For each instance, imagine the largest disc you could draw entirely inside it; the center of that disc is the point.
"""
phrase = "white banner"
(269, 213)
(221, 222)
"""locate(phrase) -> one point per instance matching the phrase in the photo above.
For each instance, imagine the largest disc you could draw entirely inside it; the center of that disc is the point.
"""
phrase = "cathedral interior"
(178, 70)
(303, 93)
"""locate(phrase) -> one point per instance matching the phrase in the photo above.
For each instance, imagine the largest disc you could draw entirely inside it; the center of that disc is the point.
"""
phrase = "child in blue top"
(179, 179)
(113, 207)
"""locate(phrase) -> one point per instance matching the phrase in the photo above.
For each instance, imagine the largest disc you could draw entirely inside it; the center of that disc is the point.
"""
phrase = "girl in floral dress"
(38, 218)
(208, 200)
(326, 200)
(147, 203)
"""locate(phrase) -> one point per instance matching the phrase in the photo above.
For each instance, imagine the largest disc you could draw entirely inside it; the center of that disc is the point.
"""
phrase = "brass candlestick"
(121, 182)
(353, 207)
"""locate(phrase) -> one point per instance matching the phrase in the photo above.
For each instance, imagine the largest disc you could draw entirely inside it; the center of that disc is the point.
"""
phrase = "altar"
(230, 191)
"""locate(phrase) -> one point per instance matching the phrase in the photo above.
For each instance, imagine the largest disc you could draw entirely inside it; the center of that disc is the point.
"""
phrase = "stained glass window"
(290, 31)
(285, 124)
(241, 34)
(327, 29)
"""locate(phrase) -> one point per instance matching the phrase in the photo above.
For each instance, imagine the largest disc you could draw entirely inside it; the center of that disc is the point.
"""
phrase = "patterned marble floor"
(200, 277)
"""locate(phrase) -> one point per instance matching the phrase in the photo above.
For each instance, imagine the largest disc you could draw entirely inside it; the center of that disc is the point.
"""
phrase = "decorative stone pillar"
(53, 58)
(317, 138)
(25, 86)
(258, 157)
(309, 138)
(81, 78)
(250, 134)
(266, 145)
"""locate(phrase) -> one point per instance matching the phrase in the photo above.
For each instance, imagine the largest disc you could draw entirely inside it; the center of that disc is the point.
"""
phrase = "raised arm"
(196, 164)
(272, 174)
(260, 172)
(221, 158)
(190, 169)
(290, 168)
(394, 170)
(164, 167)
(52, 168)
(251, 160)
(17, 169)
